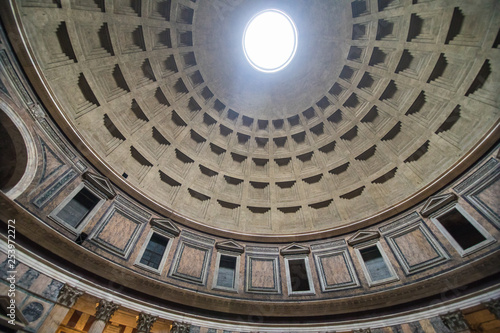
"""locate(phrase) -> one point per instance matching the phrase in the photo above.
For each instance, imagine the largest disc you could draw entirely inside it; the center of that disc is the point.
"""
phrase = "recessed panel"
(262, 274)
(415, 247)
(192, 258)
(335, 270)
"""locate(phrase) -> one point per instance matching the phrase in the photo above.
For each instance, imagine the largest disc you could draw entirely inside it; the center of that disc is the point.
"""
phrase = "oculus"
(270, 41)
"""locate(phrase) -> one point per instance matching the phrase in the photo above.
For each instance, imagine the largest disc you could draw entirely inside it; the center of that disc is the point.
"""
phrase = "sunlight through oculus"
(270, 41)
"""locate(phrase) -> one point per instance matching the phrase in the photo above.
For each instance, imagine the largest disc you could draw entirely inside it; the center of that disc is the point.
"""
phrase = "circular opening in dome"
(270, 40)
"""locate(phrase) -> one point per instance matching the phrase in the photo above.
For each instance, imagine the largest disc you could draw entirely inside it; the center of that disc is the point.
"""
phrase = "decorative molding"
(486, 168)
(145, 322)
(81, 166)
(199, 238)
(166, 225)
(100, 183)
(16, 81)
(258, 249)
(75, 231)
(180, 327)
(68, 296)
(40, 115)
(132, 208)
(230, 245)
(494, 307)
(53, 189)
(437, 202)
(37, 112)
(363, 236)
(399, 223)
(105, 310)
(4, 89)
(455, 321)
(45, 152)
(329, 245)
(295, 249)
(52, 134)
(363, 330)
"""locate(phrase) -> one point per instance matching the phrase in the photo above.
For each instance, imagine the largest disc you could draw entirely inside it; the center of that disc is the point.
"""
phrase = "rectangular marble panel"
(400, 222)
(335, 270)
(117, 231)
(415, 247)
(191, 261)
(262, 274)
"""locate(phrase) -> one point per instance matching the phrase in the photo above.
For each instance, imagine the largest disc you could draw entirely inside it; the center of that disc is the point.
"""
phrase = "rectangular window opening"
(78, 207)
(227, 272)
(464, 233)
(299, 280)
(155, 249)
(375, 264)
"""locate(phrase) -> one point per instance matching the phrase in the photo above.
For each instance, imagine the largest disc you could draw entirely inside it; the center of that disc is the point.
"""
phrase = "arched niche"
(17, 153)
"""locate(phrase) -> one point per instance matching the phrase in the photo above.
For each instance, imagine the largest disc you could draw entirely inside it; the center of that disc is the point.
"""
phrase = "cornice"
(123, 300)
(44, 236)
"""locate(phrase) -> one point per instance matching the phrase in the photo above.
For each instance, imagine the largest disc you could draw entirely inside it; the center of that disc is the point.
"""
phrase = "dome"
(382, 111)
(167, 104)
